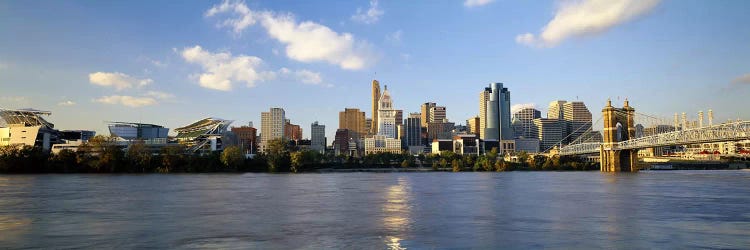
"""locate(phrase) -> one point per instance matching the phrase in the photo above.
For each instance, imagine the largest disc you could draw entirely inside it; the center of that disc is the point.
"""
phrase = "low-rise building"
(382, 144)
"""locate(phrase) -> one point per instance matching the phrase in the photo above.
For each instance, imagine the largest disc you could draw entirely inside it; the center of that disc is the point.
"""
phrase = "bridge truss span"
(735, 131)
(581, 148)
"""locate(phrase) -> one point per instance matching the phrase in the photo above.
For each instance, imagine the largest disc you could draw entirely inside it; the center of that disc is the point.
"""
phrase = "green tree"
(523, 158)
(443, 163)
(139, 157)
(64, 161)
(108, 156)
(479, 163)
(456, 164)
(297, 161)
(501, 166)
(492, 156)
(405, 164)
(278, 155)
(232, 157)
(172, 158)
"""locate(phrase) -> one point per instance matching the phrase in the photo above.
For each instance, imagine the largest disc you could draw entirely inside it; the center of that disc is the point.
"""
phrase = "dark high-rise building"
(413, 127)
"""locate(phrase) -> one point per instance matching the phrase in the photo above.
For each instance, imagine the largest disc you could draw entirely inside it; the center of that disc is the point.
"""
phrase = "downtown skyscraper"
(375, 105)
(497, 113)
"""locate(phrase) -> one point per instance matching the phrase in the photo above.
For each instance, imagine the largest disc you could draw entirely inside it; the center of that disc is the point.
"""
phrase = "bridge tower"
(619, 125)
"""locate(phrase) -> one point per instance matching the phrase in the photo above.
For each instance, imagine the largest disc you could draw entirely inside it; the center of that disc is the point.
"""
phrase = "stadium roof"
(206, 126)
(26, 117)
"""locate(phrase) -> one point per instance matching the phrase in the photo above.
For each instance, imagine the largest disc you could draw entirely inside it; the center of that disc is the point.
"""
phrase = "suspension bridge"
(618, 149)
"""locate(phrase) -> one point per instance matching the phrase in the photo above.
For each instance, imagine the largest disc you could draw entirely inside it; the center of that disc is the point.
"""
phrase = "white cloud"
(15, 100)
(525, 39)
(66, 103)
(129, 101)
(586, 17)
(158, 63)
(246, 17)
(305, 41)
(160, 95)
(222, 70)
(304, 76)
(406, 56)
(744, 79)
(395, 37)
(117, 80)
(372, 15)
(477, 3)
(516, 107)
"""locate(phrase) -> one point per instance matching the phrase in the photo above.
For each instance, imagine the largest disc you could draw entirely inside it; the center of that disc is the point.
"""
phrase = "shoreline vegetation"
(101, 155)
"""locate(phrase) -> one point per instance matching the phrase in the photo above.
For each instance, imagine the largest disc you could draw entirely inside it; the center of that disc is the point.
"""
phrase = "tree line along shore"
(102, 155)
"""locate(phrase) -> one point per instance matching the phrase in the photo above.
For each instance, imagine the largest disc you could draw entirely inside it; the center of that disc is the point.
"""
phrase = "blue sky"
(172, 63)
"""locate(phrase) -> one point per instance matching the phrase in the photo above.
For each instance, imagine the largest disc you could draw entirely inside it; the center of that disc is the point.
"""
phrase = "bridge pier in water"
(619, 125)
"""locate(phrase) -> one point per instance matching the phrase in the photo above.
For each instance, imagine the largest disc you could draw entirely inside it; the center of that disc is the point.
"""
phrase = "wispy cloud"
(305, 41)
(477, 3)
(15, 100)
(586, 17)
(160, 95)
(304, 76)
(369, 16)
(66, 103)
(516, 107)
(117, 80)
(395, 37)
(129, 101)
(222, 70)
(743, 79)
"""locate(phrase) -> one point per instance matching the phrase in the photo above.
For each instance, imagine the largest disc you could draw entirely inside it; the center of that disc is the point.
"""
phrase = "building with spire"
(375, 106)
(386, 115)
(386, 139)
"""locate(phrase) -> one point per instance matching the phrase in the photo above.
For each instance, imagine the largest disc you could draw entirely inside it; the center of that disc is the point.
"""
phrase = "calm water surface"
(671, 209)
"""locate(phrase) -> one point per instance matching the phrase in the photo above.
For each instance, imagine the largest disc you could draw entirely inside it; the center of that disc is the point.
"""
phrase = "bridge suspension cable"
(590, 129)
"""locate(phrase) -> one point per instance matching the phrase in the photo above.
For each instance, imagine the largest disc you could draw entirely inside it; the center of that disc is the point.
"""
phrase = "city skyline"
(89, 61)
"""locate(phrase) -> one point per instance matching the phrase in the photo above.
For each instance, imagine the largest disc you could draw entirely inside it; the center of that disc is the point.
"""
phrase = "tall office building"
(318, 137)
(439, 130)
(472, 125)
(425, 109)
(525, 120)
(375, 104)
(413, 127)
(551, 132)
(354, 120)
(292, 131)
(484, 97)
(578, 119)
(399, 117)
(368, 127)
(498, 114)
(386, 115)
(271, 126)
(556, 110)
(437, 114)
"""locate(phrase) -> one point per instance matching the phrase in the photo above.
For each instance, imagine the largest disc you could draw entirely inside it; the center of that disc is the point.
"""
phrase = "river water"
(571, 210)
